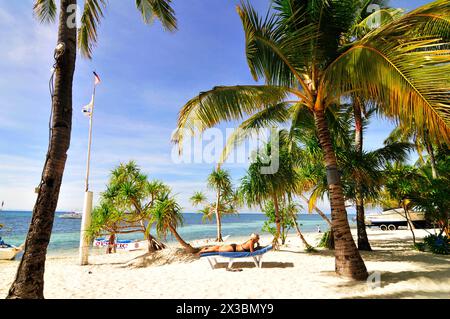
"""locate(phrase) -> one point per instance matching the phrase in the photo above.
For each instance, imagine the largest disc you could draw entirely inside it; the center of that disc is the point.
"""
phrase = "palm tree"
(257, 188)
(292, 210)
(297, 51)
(29, 281)
(130, 189)
(401, 181)
(363, 25)
(421, 140)
(220, 181)
(166, 214)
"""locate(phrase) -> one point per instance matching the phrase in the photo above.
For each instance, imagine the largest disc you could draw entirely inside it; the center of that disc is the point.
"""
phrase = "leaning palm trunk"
(185, 245)
(363, 240)
(29, 281)
(299, 234)
(218, 220)
(348, 261)
(321, 213)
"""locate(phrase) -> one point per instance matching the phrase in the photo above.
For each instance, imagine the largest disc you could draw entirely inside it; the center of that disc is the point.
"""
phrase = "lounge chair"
(256, 256)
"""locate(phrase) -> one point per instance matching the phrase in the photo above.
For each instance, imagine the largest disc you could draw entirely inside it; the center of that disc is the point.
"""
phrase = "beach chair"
(257, 256)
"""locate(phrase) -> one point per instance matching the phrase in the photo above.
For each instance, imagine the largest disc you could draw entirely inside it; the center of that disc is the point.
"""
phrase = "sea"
(66, 232)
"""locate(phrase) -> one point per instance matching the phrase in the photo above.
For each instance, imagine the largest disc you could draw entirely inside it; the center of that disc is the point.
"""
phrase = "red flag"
(97, 79)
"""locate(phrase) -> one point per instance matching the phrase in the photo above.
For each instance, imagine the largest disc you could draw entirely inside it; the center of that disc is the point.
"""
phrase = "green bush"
(327, 240)
(437, 244)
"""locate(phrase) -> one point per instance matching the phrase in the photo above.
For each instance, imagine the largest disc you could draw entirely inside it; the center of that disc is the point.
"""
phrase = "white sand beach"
(289, 273)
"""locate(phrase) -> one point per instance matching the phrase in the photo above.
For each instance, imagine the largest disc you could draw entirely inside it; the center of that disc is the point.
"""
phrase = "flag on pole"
(96, 78)
(87, 110)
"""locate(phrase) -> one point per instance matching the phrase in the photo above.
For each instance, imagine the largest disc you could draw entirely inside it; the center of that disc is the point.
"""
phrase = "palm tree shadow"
(268, 264)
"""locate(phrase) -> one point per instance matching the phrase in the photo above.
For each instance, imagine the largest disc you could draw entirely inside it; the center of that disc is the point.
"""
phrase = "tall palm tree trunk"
(409, 222)
(29, 281)
(185, 245)
(363, 240)
(348, 261)
(430, 152)
(218, 220)
(277, 221)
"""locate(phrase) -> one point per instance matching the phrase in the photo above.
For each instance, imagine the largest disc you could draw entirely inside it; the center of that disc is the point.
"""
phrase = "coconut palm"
(421, 140)
(364, 24)
(401, 181)
(29, 281)
(257, 188)
(297, 51)
(166, 215)
(220, 181)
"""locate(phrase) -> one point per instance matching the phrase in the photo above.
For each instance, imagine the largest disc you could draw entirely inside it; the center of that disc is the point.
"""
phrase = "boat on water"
(127, 245)
(71, 215)
(392, 219)
(9, 252)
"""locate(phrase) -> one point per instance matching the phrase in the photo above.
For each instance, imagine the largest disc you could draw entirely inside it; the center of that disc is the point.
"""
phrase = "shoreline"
(288, 273)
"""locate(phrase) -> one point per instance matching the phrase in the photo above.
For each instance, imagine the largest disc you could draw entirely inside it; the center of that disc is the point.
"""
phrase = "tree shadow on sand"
(268, 264)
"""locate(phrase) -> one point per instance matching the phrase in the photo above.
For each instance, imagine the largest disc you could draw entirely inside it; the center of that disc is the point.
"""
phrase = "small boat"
(71, 215)
(127, 245)
(8, 252)
(393, 218)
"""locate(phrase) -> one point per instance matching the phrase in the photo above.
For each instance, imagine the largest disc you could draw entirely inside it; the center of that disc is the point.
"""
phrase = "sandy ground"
(289, 273)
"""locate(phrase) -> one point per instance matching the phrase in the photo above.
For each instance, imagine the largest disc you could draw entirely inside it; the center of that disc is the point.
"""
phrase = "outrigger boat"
(127, 245)
(9, 252)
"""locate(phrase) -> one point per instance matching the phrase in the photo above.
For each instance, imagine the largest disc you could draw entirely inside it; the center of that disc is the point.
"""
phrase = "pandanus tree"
(167, 217)
(128, 190)
(29, 281)
(402, 67)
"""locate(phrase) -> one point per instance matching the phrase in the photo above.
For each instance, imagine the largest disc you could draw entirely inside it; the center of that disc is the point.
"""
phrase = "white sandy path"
(290, 273)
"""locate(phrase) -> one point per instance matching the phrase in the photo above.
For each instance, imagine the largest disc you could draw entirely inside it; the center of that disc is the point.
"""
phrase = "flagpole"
(88, 195)
(88, 165)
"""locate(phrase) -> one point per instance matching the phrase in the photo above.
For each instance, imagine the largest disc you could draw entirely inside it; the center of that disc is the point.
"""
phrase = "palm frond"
(269, 117)
(90, 20)
(45, 10)
(224, 103)
(159, 9)
(375, 20)
(406, 74)
(278, 58)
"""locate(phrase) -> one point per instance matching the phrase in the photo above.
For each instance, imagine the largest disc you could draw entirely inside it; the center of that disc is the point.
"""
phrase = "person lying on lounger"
(249, 246)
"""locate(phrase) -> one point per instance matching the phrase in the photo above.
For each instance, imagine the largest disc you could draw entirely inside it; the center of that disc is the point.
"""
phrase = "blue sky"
(147, 75)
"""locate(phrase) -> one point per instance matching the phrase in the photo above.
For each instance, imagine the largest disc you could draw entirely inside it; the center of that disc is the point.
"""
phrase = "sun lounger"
(256, 256)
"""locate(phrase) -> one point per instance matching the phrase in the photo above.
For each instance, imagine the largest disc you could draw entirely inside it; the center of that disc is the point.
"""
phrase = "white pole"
(88, 198)
(85, 223)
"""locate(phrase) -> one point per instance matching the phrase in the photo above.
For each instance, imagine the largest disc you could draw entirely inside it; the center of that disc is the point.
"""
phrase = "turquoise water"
(66, 232)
